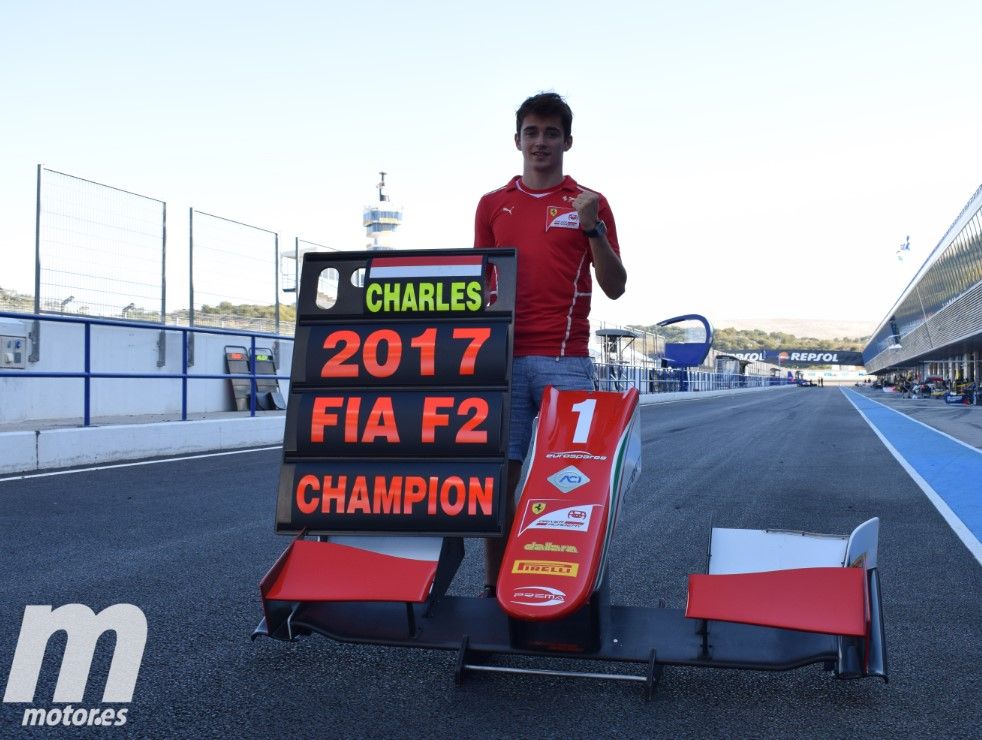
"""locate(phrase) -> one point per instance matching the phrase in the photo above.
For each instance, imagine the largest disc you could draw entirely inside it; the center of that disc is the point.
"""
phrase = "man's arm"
(483, 235)
(611, 275)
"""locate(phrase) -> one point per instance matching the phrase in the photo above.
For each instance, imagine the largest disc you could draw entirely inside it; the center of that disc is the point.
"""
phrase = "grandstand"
(935, 327)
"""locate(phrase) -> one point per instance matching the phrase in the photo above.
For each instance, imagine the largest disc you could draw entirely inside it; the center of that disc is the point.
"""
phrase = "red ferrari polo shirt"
(554, 281)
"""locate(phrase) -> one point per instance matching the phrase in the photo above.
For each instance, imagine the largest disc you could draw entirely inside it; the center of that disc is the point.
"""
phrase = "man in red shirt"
(559, 229)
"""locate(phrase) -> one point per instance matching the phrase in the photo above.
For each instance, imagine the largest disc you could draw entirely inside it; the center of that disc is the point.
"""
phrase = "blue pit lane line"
(947, 470)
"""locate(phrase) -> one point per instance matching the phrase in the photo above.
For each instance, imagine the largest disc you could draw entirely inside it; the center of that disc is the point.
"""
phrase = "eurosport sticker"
(574, 455)
(541, 515)
(537, 596)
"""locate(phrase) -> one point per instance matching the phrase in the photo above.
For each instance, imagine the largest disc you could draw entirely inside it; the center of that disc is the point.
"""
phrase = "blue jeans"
(529, 378)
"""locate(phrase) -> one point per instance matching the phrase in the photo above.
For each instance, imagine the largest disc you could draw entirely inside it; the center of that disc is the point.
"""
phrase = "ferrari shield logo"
(538, 507)
(561, 217)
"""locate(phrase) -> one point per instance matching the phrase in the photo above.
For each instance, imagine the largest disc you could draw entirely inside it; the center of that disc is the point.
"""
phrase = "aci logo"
(83, 627)
(568, 478)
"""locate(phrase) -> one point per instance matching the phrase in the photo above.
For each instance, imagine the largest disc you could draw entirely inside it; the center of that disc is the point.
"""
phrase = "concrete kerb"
(18, 452)
(652, 398)
(50, 449)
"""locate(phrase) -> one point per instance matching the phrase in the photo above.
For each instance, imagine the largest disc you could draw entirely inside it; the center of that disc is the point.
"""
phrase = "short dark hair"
(545, 104)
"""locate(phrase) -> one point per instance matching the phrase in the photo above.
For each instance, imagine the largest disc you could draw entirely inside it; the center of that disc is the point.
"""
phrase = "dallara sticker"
(568, 519)
(550, 547)
(546, 568)
(568, 479)
(538, 596)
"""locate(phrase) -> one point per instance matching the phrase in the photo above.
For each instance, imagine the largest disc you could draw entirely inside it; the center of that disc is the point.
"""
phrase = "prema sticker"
(537, 596)
(540, 515)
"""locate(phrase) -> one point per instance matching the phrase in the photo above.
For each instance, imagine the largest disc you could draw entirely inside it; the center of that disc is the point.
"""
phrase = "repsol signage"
(800, 356)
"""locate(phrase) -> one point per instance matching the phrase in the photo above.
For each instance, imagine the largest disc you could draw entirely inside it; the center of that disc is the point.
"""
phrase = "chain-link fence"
(291, 262)
(290, 266)
(234, 274)
(100, 250)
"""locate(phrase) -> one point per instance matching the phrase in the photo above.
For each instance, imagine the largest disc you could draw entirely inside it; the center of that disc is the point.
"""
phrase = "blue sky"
(763, 159)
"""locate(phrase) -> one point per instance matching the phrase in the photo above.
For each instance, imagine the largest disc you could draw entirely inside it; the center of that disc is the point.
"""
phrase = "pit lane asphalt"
(187, 542)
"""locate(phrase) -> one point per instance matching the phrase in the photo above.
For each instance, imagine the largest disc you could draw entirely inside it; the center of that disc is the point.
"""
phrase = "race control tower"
(381, 220)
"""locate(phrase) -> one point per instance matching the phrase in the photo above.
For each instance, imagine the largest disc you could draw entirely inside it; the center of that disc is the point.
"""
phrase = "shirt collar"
(568, 184)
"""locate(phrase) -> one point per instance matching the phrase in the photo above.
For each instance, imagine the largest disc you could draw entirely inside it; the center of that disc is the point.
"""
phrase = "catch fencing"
(650, 379)
(102, 251)
(234, 279)
(99, 251)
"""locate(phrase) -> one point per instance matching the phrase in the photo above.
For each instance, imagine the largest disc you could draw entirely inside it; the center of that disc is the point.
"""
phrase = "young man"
(559, 229)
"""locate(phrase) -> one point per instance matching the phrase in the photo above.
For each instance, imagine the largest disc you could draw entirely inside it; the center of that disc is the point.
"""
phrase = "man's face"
(542, 143)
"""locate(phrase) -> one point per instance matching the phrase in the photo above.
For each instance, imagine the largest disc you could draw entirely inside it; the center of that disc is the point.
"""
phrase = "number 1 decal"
(584, 420)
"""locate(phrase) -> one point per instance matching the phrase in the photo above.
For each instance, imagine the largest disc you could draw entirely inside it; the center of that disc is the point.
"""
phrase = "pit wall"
(116, 349)
(49, 411)
(52, 449)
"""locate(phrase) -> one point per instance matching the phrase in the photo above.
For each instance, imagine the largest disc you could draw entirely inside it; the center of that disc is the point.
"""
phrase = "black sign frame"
(369, 480)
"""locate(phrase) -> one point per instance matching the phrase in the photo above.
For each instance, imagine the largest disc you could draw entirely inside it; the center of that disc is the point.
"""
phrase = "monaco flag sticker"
(426, 267)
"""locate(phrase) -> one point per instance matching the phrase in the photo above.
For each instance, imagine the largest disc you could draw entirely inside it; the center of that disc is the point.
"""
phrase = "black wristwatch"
(599, 229)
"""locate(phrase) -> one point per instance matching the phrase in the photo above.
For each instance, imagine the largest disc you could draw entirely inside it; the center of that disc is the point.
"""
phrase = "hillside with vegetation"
(729, 339)
(11, 300)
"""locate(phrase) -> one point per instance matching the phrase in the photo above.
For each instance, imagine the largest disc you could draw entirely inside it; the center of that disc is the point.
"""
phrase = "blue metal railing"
(87, 375)
(620, 377)
(609, 377)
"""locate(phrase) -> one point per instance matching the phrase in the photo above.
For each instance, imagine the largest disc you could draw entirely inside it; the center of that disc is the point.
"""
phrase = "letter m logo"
(83, 627)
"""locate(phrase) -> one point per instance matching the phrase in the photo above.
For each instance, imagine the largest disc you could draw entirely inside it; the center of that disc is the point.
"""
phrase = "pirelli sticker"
(546, 567)
(372, 496)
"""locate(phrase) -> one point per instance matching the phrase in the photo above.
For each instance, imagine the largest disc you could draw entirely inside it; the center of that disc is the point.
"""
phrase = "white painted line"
(957, 525)
(139, 462)
(917, 421)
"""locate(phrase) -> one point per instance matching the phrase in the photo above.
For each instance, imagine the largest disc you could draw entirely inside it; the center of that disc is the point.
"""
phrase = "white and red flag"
(383, 268)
